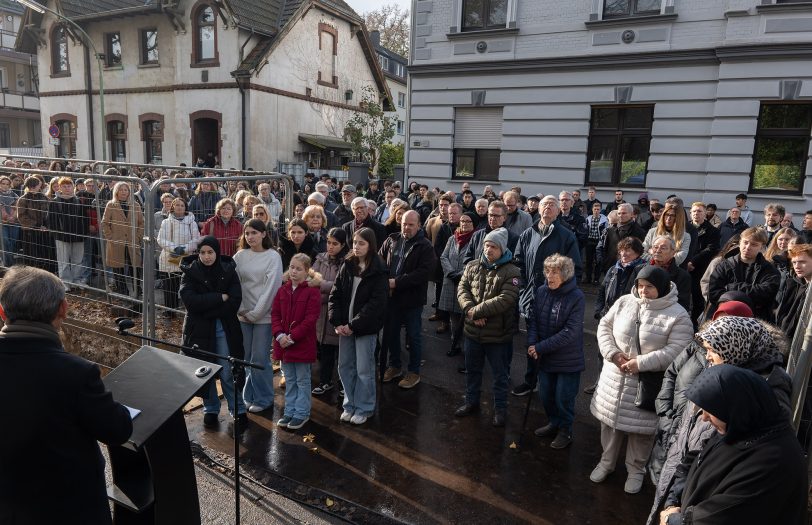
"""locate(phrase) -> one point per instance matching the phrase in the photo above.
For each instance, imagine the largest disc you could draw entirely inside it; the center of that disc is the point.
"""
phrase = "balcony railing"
(18, 100)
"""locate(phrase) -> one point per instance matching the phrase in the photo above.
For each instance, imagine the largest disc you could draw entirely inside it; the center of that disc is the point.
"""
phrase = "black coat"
(204, 305)
(727, 230)
(615, 235)
(707, 247)
(760, 281)
(372, 224)
(51, 468)
(287, 249)
(412, 283)
(371, 297)
(68, 220)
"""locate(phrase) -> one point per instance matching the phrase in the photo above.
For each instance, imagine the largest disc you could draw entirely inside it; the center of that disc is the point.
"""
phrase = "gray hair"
(626, 206)
(371, 204)
(395, 202)
(666, 237)
(481, 202)
(549, 198)
(31, 294)
(562, 263)
(455, 205)
(317, 197)
(564, 194)
(322, 186)
(359, 201)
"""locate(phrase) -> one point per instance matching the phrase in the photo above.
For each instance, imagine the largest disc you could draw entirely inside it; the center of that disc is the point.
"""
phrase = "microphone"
(124, 324)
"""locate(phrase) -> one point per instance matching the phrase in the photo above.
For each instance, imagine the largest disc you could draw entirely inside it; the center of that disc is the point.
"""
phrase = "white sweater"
(174, 233)
(260, 278)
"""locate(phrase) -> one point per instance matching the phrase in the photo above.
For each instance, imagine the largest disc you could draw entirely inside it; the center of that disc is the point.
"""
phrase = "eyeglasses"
(495, 215)
(466, 222)
(672, 215)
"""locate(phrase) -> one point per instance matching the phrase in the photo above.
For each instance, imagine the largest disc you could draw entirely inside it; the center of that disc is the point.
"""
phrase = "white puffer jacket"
(174, 233)
(665, 329)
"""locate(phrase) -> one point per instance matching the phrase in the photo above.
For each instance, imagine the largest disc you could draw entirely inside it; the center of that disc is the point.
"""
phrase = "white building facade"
(395, 70)
(255, 82)
(689, 97)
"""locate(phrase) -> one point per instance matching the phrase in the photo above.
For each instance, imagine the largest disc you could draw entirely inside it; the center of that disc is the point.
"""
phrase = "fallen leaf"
(309, 438)
(329, 502)
(513, 445)
(315, 449)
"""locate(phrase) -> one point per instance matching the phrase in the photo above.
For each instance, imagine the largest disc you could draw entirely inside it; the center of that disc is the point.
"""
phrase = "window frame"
(333, 81)
(401, 99)
(400, 127)
(143, 51)
(116, 138)
(143, 121)
(484, 10)
(619, 133)
(197, 45)
(630, 13)
(476, 153)
(774, 133)
(108, 50)
(70, 138)
(56, 30)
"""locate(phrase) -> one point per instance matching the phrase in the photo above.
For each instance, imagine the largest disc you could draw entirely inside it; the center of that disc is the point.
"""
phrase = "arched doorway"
(205, 127)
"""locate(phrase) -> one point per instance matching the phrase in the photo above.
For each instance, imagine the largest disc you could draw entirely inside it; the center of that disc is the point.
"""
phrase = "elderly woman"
(740, 341)
(123, 228)
(752, 470)
(178, 236)
(316, 221)
(555, 339)
(224, 226)
(453, 265)
(642, 332)
(661, 253)
(671, 224)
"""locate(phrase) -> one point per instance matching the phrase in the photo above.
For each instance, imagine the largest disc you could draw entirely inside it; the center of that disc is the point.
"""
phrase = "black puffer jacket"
(412, 283)
(371, 298)
(204, 306)
(759, 280)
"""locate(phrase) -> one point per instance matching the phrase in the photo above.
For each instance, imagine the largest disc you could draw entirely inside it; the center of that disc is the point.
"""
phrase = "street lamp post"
(39, 8)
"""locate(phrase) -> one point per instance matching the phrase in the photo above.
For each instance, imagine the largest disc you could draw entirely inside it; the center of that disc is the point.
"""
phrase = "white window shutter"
(478, 128)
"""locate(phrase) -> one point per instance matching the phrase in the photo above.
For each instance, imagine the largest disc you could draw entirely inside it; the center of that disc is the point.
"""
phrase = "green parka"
(490, 294)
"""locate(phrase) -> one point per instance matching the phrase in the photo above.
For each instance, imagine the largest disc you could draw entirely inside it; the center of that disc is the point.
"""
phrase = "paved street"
(415, 462)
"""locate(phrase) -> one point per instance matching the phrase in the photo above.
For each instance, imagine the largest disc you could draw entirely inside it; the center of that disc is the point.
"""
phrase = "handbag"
(648, 383)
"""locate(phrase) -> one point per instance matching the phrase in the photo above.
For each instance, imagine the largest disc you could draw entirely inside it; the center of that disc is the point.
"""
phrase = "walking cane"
(529, 401)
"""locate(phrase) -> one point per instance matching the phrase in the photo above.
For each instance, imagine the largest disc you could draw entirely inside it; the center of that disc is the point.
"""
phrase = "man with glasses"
(517, 220)
(497, 213)
(537, 243)
(363, 219)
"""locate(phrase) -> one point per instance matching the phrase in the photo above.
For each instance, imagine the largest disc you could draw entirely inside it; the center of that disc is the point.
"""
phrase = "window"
(477, 143)
(117, 135)
(153, 141)
(5, 135)
(384, 62)
(619, 140)
(401, 99)
(112, 49)
(624, 8)
(484, 14)
(400, 69)
(401, 127)
(205, 31)
(328, 50)
(149, 46)
(67, 139)
(781, 149)
(60, 65)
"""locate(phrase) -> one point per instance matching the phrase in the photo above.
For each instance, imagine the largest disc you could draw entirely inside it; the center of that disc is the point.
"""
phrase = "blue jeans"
(11, 232)
(258, 383)
(211, 403)
(475, 355)
(414, 324)
(297, 390)
(356, 368)
(87, 261)
(557, 392)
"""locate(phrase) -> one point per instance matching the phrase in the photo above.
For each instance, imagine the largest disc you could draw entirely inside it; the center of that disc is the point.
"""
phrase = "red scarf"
(664, 266)
(462, 238)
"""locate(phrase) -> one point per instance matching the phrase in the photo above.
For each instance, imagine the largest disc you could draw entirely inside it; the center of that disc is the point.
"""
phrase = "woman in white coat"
(178, 237)
(643, 332)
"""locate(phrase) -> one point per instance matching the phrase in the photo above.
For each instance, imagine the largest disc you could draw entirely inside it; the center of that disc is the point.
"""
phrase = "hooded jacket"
(755, 472)
(556, 328)
(371, 298)
(490, 291)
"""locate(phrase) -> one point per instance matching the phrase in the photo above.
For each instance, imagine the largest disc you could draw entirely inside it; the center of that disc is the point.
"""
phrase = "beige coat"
(122, 232)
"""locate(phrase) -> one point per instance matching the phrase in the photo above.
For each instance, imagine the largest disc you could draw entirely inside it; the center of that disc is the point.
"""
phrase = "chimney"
(375, 36)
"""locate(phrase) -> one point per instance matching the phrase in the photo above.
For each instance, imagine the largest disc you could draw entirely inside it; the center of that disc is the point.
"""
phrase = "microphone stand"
(237, 370)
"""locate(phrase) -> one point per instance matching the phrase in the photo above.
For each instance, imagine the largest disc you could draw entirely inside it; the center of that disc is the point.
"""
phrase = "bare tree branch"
(393, 23)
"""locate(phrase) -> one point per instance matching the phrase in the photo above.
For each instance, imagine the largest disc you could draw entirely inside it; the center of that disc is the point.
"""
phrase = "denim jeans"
(87, 261)
(557, 392)
(11, 232)
(356, 368)
(256, 340)
(475, 355)
(414, 323)
(211, 403)
(69, 259)
(297, 390)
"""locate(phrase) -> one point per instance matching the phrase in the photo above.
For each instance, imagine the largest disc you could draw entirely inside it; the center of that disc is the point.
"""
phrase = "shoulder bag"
(648, 383)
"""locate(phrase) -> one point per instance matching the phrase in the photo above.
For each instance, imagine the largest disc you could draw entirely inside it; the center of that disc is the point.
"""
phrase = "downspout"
(243, 127)
(89, 85)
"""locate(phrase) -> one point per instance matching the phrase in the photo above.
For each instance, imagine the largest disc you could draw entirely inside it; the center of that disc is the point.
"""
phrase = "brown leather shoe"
(443, 328)
(434, 317)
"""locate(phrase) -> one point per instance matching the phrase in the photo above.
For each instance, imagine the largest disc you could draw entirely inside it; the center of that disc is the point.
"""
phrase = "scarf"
(665, 266)
(30, 329)
(504, 259)
(462, 238)
(743, 342)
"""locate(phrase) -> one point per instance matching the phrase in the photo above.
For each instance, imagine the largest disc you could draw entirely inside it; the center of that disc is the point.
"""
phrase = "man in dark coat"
(344, 210)
(547, 237)
(707, 248)
(410, 258)
(627, 227)
(731, 226)
(497, 215)
(572, 218)
(753, 470)
(51, 468)
(363, 219)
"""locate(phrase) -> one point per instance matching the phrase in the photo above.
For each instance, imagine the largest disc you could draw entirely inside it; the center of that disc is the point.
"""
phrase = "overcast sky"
(362, 6)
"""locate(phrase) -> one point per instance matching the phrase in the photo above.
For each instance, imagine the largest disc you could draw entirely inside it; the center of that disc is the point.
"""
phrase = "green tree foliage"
(391, 156)
(370, 128)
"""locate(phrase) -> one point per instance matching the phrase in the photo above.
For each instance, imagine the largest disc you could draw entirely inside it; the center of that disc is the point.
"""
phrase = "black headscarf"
(739, 397)
(658, 277)
(215, 269)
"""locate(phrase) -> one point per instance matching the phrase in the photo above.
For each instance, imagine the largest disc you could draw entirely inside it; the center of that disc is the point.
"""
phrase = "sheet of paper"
(133, 412)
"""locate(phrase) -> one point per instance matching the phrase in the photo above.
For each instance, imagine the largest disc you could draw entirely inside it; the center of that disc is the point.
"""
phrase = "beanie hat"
(471, 215)
(735, 308)
(499, 237)
(656, 276)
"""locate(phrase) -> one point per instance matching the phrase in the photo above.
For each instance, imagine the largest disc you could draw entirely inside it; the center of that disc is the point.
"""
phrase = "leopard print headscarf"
(743, 342)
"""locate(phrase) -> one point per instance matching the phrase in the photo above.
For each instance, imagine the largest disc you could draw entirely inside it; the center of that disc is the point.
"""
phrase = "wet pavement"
(414, 462)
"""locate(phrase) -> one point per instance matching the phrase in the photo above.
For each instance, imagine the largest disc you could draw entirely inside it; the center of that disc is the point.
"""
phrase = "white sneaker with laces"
(358, 419)
(346, 416)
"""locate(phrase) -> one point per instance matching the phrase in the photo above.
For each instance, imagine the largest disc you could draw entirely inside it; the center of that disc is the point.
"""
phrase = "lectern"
(153, 473)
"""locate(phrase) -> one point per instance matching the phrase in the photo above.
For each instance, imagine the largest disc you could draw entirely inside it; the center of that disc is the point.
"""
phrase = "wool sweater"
(260, 276)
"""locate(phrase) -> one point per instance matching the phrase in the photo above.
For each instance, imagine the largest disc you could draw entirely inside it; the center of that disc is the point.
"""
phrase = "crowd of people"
(688, 302)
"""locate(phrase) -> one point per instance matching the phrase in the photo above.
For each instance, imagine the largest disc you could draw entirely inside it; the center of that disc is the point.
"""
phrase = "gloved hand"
(180, 250)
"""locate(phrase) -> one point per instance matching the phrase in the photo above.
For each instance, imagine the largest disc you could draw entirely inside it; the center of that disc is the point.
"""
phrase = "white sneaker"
(358, 419)
(599, 474)
(634, 483)
(346, 416)
(255, 409)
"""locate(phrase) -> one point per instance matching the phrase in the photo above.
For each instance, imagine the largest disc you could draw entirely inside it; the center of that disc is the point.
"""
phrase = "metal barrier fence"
(799, 367)
(106, 247)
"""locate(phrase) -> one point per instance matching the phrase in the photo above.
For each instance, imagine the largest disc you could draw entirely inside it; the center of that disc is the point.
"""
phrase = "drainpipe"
(243, 79)
(89, 84)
